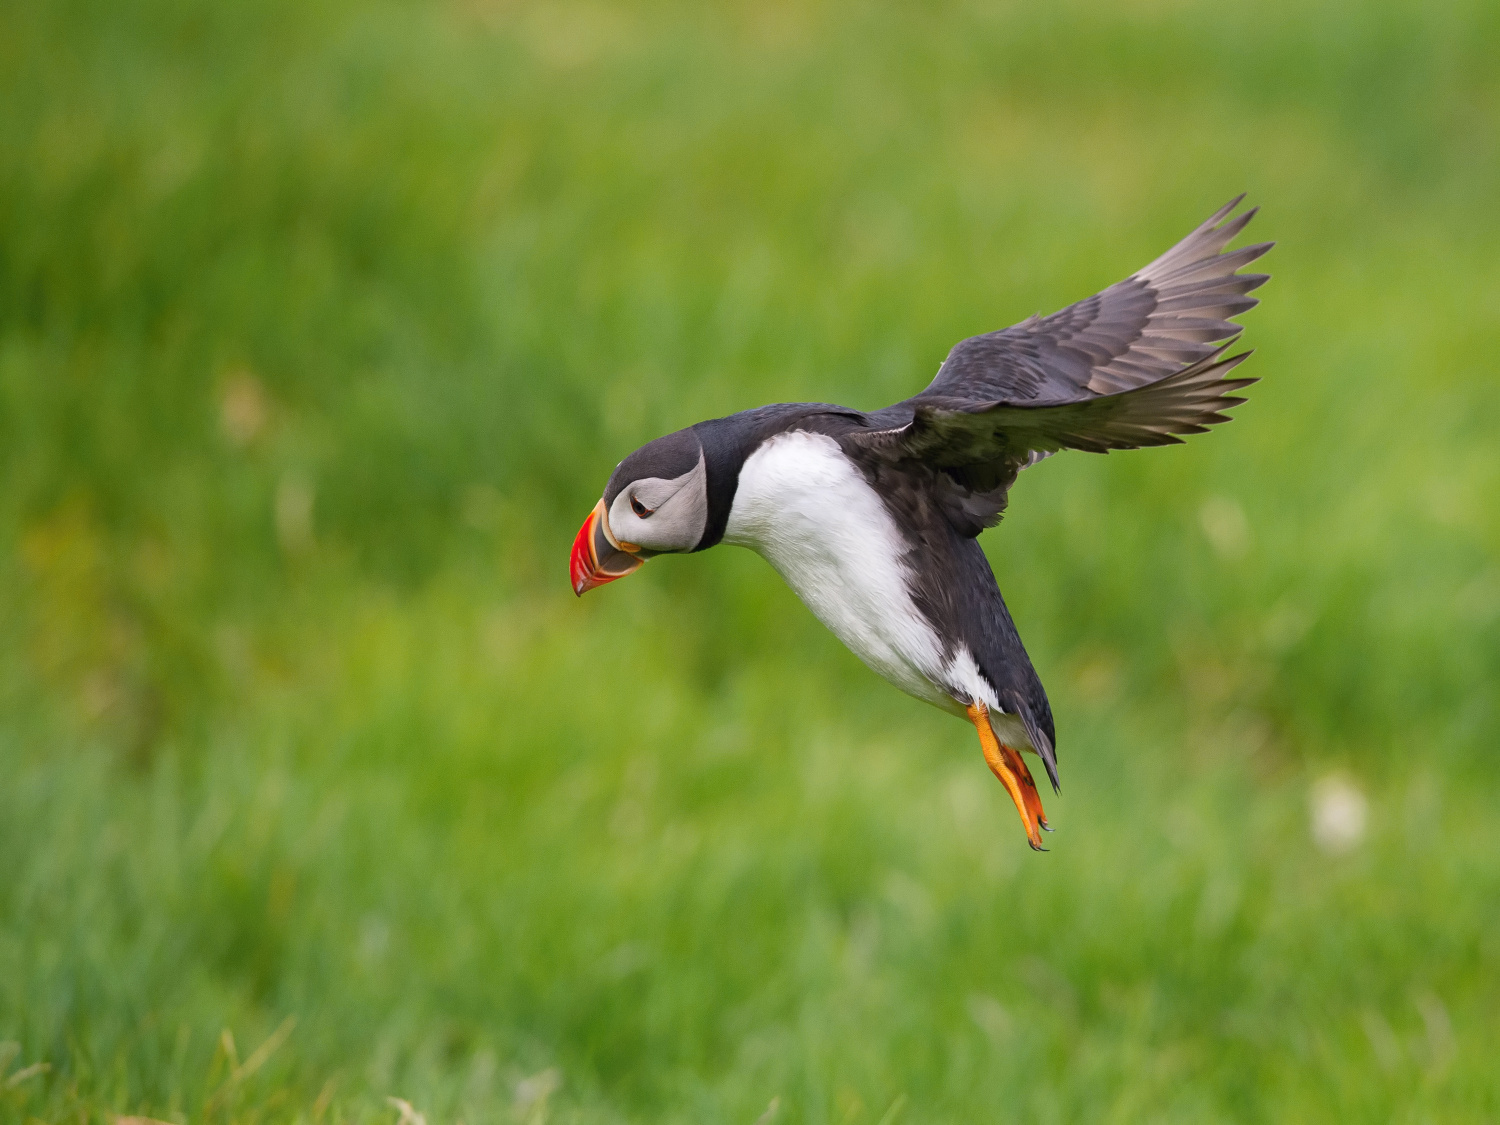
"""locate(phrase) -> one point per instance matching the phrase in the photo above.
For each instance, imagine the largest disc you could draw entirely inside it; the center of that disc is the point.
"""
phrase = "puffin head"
(656, 503)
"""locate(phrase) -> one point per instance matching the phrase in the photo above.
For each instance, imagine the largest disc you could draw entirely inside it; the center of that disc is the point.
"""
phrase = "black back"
(954, 587)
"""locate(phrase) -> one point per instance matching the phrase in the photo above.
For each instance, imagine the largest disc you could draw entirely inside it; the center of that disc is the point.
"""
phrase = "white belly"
(807, 510)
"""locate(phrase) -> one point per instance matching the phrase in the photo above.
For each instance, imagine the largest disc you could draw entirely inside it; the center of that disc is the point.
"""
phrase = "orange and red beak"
(598, 557)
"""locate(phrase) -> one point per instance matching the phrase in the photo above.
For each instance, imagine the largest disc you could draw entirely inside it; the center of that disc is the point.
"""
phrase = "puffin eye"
(640, 509)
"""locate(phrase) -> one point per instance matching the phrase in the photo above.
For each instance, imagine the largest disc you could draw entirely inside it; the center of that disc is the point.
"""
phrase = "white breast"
(810, 513)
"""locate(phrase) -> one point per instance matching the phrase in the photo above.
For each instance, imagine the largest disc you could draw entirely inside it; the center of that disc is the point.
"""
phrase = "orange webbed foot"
(1006, 764)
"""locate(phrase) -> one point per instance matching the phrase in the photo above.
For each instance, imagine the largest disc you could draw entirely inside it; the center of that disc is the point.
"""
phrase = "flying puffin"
(873, 518)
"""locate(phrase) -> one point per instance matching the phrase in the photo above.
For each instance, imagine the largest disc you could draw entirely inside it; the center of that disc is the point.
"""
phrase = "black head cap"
(666, 457)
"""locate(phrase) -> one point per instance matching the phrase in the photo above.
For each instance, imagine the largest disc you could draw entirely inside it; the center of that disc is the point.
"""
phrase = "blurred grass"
(320, 329)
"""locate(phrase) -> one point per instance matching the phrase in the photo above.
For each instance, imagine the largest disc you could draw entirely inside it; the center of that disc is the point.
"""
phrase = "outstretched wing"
(1152, 324)
(1135, 365)
(1187, 401)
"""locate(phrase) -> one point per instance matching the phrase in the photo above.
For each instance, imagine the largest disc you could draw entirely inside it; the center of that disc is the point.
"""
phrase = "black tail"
(1034, 710)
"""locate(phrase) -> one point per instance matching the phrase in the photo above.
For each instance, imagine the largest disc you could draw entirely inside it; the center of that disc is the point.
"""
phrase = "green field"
(321, 328)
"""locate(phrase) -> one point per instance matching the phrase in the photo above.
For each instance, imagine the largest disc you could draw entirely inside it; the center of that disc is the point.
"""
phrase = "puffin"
(873, 518)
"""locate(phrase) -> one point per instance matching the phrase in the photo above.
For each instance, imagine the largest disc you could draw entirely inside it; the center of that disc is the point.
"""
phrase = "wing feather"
(1138, 330)
(1137, 364)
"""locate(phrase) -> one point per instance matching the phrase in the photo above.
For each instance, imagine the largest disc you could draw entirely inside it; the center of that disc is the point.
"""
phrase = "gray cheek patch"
(679, 511)
(655, 493)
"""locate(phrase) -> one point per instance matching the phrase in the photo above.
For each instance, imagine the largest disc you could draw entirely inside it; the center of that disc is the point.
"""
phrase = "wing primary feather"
(1137, 364)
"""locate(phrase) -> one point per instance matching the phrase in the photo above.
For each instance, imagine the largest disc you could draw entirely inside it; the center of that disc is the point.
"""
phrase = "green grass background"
(321, 327)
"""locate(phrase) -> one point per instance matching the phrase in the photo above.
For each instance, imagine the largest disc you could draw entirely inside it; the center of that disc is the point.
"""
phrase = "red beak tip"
(581, 563)
(585, 568)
